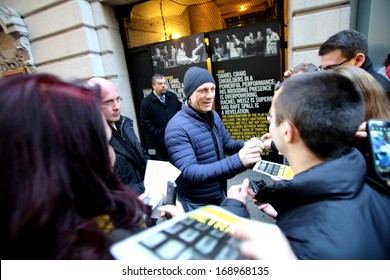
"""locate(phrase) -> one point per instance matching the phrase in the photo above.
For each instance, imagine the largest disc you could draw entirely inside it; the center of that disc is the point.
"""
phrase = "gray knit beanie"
(195, 77)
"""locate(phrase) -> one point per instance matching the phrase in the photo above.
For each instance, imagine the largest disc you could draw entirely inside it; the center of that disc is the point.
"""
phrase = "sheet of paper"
(157, 175)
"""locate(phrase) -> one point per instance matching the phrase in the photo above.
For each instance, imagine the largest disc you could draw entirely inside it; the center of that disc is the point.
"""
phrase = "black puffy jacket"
(330, 212)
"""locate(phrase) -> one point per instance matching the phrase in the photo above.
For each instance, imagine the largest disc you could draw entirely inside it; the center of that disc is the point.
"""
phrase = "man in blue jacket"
(197, 142)
(327, 211)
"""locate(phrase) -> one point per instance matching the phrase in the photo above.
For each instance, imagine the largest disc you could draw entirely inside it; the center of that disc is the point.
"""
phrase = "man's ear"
(359, 59)
(288, 131)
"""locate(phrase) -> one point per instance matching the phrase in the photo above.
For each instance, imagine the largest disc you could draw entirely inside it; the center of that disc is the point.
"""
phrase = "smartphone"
(378, 132)
(170, 197)
(253, 186)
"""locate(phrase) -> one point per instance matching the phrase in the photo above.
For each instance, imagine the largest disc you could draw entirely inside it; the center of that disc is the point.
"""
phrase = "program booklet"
(202, 234)
(157, 175)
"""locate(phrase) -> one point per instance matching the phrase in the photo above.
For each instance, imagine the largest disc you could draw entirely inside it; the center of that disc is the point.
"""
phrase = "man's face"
(334, 59)
(160, 86)
(110, 105)
(203, 97)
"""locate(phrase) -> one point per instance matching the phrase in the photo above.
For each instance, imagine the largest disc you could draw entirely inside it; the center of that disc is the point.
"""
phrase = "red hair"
(56, 175)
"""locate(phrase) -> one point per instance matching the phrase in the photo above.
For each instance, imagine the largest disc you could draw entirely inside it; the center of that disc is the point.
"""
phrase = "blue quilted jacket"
(199, 150)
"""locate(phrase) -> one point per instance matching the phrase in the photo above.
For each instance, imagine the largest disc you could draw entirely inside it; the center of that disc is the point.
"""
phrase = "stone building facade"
(71, 38)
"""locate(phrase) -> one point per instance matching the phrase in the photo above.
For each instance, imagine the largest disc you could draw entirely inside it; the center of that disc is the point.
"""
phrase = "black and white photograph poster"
(246, 66)
(172, 59)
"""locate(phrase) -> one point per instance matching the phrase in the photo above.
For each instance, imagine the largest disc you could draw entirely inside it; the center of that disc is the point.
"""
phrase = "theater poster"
(174, 57)
(246, 66)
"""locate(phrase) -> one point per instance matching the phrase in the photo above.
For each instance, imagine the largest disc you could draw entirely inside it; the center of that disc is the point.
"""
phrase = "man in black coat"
(349, 47)
(131, 158)
(156, 110)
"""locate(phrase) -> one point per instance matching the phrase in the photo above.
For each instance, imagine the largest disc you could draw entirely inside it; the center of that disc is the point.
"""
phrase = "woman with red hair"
(59, 197)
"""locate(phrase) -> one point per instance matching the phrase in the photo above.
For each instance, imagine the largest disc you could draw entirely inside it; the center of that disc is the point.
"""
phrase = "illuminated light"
(175, 36)
(242, 8)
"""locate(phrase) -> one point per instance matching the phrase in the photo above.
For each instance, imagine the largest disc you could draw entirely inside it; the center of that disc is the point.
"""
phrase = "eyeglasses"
(332, 66)
(110, 102)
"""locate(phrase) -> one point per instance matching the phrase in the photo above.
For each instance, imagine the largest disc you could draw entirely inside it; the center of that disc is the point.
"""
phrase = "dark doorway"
(141, 72)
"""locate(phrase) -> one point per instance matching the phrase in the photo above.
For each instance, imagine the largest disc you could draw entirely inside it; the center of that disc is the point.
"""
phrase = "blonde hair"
(376, 101)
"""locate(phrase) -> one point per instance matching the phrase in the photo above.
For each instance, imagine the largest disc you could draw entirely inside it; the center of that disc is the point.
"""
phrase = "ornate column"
(15, 50)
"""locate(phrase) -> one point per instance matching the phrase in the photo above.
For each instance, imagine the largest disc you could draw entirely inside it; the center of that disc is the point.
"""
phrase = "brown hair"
(376, 101)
